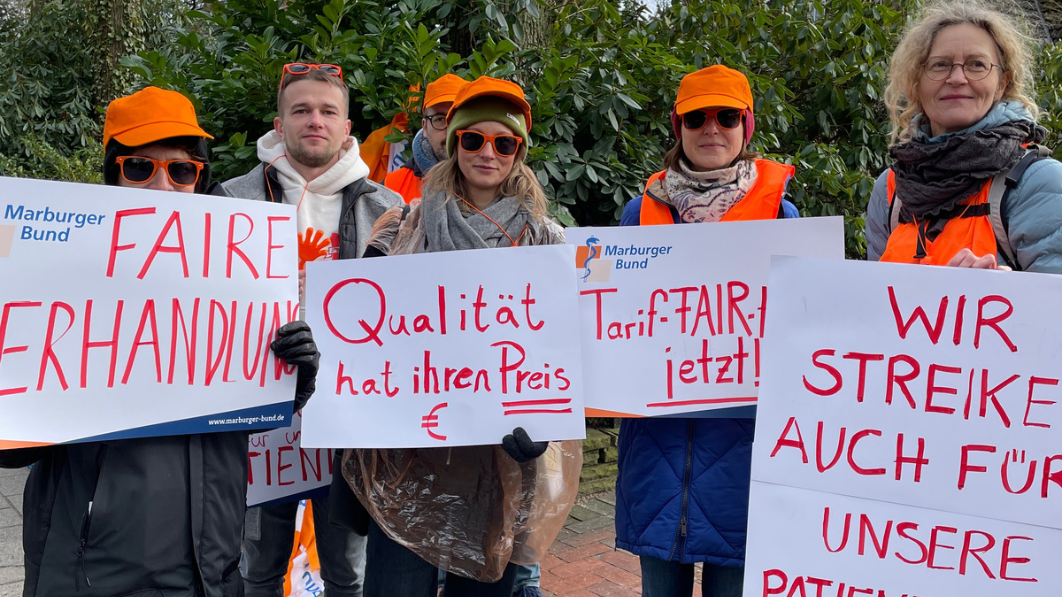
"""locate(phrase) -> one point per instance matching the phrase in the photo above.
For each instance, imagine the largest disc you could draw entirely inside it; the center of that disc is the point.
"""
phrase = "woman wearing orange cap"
(683, 487)
(156, 515)
(473, 511)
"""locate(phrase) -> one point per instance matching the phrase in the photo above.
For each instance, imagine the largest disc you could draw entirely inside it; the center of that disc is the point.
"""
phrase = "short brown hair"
(314, 75)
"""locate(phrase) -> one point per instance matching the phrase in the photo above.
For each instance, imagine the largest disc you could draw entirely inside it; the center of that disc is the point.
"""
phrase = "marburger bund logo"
(46, 225)
(595, 269)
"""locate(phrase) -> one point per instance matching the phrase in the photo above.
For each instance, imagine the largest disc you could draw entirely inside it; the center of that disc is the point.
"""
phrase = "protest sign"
(437, 349)
(672, 316)
(133, 313)
(907, 438)
(280, 469)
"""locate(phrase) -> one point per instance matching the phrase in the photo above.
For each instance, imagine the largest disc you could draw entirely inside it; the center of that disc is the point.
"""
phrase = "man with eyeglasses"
(429, 144)
(310, 160)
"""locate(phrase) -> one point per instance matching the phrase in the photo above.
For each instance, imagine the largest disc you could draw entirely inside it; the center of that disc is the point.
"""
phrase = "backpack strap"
(894, 213)
(999, 192)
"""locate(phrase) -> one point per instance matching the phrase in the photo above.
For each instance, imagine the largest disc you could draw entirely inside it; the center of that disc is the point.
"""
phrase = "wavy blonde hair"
(521, 182)
(905, 71)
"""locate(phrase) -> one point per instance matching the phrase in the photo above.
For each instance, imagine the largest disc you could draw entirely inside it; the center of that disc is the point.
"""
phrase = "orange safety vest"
(376, 152)
(405, 183)
(761, 202)
(970, 230)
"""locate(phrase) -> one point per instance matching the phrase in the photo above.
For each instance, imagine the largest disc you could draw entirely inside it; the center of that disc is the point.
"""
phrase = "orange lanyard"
(516, 242)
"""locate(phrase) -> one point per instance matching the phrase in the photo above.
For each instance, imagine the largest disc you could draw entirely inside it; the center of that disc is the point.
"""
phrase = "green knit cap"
(483, 109)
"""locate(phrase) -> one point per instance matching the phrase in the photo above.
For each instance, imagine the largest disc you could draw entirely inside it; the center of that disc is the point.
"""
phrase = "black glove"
(519, 445)
(295, 346)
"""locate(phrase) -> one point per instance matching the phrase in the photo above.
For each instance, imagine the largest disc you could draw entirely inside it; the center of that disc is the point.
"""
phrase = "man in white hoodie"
(310, 160)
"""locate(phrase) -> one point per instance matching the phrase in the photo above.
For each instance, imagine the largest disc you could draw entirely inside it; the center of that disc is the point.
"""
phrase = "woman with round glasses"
(153, 515)
(963, 122)
(683, 488)
(472, 511)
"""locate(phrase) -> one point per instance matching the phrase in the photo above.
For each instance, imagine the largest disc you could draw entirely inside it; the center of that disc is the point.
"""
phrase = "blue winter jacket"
(683, 487)
(1033, 211)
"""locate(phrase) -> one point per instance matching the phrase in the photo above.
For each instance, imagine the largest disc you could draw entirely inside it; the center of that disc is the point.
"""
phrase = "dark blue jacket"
(683, 488)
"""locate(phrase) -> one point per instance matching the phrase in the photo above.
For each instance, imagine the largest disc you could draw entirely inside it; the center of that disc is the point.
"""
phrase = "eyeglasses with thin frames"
(974, 70)
(437, 121)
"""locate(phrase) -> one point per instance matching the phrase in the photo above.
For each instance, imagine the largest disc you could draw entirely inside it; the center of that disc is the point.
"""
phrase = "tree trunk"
(117, 30)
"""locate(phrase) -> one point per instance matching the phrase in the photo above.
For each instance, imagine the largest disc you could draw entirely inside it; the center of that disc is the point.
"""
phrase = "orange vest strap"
(761, 202)
(654, 212)
(972, 229)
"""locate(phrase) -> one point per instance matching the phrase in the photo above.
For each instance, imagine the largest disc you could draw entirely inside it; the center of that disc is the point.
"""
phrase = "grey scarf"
(449, 228)
(932, 178)
(423, 155)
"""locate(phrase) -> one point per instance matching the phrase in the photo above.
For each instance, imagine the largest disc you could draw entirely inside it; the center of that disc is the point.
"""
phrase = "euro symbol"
(431, 421)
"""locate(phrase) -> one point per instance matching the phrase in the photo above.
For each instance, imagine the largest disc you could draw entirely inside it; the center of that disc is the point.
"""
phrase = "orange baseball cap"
(150, 115)
(489, 86)
(442, 90)
(715, 86)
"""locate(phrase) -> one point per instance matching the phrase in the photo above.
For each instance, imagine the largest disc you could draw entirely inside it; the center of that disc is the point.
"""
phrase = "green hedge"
(601, 78)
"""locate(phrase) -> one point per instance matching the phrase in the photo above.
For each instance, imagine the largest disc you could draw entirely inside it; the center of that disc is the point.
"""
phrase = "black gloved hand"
(519, 446)
(295, 346)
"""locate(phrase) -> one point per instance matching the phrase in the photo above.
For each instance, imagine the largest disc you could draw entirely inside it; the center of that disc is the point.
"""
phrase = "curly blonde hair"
(905, 71)
(521, 182)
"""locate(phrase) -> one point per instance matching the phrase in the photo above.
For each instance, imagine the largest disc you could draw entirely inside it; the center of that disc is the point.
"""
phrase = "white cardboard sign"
(908, 433)
(437, 349)
(673, 316)
(131, 313)
(279, 468)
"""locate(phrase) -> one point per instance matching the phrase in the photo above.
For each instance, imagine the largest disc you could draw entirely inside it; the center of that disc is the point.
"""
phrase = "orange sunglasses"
(299, 68)
(474, 142)
(139, 170)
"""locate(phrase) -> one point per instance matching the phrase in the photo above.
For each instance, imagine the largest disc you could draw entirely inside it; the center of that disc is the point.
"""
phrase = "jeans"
(265, 561)
(392, 570)
(527, 576)
(661, 578)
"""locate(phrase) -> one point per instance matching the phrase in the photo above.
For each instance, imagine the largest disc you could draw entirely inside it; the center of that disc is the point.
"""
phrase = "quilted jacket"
(683, 488)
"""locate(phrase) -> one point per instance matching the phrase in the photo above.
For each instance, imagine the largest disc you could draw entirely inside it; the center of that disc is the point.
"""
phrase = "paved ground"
(11, 485)
(583, 562)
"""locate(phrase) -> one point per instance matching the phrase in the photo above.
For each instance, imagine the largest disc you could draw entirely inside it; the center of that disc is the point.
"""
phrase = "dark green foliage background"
(600, 76)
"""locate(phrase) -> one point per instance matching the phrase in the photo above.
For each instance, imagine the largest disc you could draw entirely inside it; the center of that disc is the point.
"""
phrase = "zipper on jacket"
(680, 535)
(86, 523)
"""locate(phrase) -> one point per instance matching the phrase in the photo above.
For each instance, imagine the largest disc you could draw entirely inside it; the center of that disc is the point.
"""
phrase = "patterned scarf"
(704, 196)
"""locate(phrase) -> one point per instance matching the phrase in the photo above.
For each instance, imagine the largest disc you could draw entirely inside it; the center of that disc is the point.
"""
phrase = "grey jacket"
(363, 202)
(1033, 209)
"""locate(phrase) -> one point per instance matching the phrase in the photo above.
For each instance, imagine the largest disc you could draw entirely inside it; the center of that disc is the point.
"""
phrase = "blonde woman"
(475, 512)
(962, 115)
